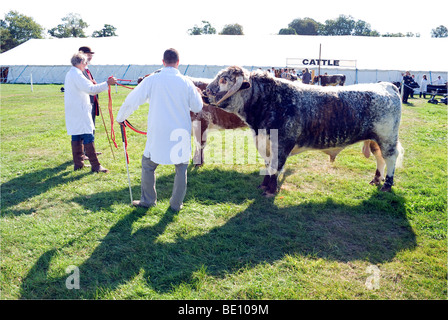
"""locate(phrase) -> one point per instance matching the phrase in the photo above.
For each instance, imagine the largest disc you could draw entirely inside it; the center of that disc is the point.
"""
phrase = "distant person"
(412, 85)
(78, 112)
(306, 76)
(407, 79)
(423, 86)
(171, 96)
(293, 75)
(440, 81)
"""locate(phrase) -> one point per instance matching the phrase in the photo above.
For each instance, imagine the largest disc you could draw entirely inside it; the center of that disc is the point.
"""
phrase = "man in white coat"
(78, 110)
(171, 96)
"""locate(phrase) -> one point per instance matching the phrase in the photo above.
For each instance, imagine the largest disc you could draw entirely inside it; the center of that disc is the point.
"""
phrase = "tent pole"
(318, 73)
(20, 74)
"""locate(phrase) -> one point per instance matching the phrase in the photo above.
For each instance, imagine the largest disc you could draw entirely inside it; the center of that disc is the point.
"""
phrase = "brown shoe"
(96, 166)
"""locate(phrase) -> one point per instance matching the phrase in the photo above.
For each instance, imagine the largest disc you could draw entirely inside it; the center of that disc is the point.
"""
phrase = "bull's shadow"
(263, 233)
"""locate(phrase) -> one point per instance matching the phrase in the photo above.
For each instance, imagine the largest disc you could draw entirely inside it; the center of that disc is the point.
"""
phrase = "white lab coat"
(424, 85)
(78, 108)
(171, 97)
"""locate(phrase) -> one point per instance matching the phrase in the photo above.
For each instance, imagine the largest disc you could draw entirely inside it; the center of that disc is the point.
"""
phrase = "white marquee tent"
(375, 58)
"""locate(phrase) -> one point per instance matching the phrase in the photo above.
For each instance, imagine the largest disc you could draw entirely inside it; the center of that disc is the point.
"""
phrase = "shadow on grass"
(375, 231)
(29, 185)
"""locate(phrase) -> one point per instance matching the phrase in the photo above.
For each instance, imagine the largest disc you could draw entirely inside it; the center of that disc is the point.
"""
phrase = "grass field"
(328, 234)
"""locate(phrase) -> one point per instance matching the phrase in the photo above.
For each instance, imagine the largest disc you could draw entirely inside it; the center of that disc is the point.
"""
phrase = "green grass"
(315, 240)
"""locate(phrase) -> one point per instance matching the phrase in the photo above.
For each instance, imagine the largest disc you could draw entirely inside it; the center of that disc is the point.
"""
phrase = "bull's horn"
(233, 90)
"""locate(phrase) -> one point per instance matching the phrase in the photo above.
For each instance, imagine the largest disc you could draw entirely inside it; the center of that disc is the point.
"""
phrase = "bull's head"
(228, 82)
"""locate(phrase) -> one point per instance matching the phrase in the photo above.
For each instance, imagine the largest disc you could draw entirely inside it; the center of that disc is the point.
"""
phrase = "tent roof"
(371, 53)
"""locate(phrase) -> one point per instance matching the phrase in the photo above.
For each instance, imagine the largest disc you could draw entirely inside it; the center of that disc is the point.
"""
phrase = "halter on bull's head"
(228, 82)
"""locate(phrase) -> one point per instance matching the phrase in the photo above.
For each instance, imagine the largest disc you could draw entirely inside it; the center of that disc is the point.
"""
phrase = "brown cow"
(209, 118)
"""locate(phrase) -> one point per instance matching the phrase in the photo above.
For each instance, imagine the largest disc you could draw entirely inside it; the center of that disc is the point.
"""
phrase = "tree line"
(347, 26)
(17, 28)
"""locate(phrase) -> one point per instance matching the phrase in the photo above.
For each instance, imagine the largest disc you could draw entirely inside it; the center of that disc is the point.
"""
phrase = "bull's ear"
(245, 85)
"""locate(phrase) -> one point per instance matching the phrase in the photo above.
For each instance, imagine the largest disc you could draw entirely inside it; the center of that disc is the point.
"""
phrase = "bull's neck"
(254, 110)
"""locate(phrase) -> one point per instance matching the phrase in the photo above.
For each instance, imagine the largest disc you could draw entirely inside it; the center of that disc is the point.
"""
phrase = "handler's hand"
(111, 81)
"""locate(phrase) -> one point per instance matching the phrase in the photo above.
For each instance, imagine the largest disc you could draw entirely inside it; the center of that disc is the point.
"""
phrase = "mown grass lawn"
(328, 234)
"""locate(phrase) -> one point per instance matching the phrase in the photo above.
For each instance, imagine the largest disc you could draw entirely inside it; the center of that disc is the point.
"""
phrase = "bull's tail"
(399, 163)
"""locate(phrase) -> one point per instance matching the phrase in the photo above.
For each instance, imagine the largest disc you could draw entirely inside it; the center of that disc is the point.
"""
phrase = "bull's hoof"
(268, 194)
(198, 165)
(262, 187)
(386, 188)
(374, 182)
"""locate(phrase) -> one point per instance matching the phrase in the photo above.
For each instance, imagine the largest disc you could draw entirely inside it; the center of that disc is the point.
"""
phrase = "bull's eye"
(222, 81)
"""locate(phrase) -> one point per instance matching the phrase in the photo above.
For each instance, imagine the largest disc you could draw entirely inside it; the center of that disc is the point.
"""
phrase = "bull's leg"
(273, 172)
(200, 139)
(390, 155)
(380, 163)
(263, 186)
(275, 153)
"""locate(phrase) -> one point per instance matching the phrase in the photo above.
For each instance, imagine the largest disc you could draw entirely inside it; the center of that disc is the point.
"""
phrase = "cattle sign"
(310, 62)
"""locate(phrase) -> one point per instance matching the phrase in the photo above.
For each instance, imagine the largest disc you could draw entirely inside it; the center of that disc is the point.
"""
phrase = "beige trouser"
(148, 187)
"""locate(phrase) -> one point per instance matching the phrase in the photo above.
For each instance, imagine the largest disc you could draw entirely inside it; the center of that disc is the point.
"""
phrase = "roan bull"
(293, 117)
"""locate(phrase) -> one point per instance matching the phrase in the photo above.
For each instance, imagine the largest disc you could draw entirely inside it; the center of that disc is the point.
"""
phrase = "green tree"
(72, 27)
(17, 28)
(107, 31)
(439, 32)
(287, 31)
(232, 29)
(306, 26)
(342, 26)
(363, 28)
(205, 28)
(392, 35)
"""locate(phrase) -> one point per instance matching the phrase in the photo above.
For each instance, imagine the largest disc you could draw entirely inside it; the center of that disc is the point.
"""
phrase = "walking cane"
(123, 137)
(105, 129)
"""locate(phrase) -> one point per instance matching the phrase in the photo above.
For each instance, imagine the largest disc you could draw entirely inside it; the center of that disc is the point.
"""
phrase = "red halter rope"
(124, 124)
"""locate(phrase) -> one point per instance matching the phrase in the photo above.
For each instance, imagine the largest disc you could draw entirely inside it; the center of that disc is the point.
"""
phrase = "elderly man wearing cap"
(93, 98)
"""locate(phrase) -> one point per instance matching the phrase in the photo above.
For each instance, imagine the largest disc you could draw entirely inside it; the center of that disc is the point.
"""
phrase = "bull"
(288, 118)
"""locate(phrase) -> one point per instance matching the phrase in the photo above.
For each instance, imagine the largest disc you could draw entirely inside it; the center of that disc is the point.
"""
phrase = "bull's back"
(339, 117)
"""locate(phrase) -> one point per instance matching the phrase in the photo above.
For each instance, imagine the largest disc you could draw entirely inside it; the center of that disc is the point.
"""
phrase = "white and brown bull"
(288, 118)
(208, 118)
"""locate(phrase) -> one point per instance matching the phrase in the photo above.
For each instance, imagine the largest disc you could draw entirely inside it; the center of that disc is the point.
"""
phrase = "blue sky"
(175, 17)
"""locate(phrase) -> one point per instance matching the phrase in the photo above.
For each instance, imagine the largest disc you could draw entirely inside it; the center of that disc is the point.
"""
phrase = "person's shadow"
(26, 186)
(262, 233)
